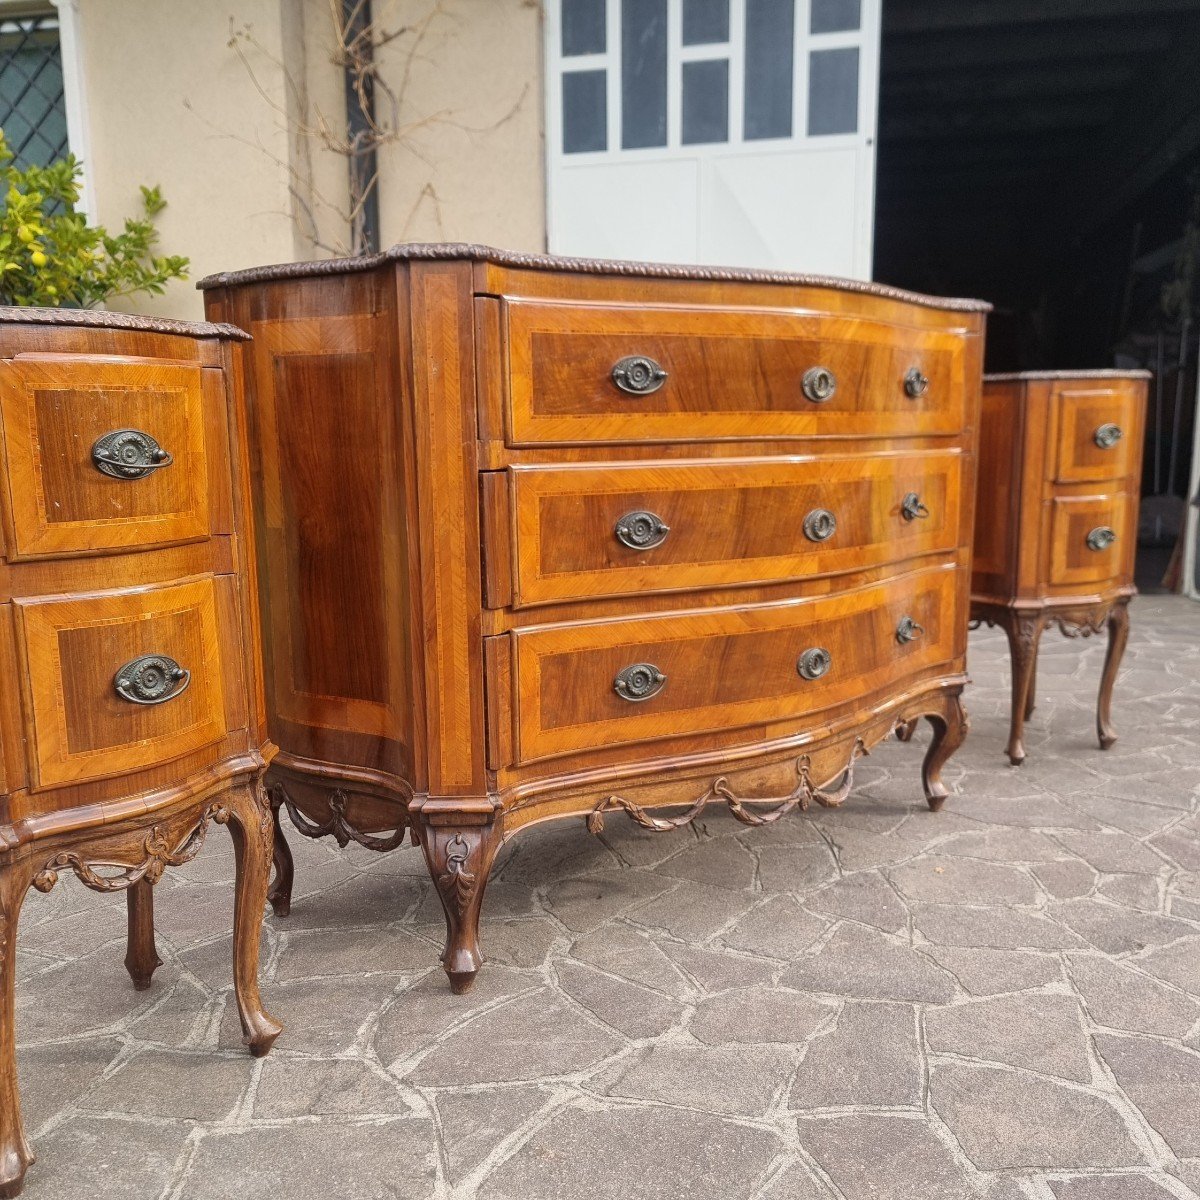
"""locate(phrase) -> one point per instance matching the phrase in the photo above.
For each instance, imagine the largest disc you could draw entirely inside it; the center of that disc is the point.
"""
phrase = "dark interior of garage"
(1045, 156)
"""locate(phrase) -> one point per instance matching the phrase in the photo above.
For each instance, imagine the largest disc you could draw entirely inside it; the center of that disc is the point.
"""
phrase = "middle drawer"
(614, 529)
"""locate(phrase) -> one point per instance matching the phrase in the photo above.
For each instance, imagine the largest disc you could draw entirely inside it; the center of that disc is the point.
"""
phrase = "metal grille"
(33, 111)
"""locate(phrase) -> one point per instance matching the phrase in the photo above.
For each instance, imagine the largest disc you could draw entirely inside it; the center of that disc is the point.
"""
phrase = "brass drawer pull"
(820, 525)
(1101, 538)
(916, 383)
(911, 508)
(639, 682)
(818, 384)
(129, 454)
(1108, 435)
(908, 630)
(813, 663)
(151, 679)
(641, 530)
(638, 375)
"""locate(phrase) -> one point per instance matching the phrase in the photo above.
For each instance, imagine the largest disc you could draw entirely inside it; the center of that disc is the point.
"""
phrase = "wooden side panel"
(997, 508)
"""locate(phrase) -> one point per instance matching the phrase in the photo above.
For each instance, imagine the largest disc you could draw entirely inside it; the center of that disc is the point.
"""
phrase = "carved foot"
(141, 955)
(280, 894)
(906, 729)
(459, 857)
(949, 731)
(16, 1155)
(252, 829)
(1024, 633)
(1118, 635)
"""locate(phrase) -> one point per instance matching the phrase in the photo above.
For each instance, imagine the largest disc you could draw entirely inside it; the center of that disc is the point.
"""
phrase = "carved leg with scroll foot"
(15, 1151)
(950, 728)
(1024, 633)
(459, 857)
(141, 955)
(280, 894)
(251, 826)
(1031, 697)
(1118, 635)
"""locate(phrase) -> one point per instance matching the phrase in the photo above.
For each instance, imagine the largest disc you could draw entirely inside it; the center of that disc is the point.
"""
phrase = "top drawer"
(103, 455)
(1097, 426)
(589, 373)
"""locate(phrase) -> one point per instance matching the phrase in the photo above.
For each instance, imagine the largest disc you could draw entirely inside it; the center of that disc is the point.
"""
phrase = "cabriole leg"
(1024, 633)
(459, 857)
(280, 894)
(1118, 635)
(950, 728)
(251, 827)
(141, 955)
(15, 1152)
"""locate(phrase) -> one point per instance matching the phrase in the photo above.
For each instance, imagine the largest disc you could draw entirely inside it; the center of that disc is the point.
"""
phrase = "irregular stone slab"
(722, 862)
(585, 902)
(759, 1014)
(1116, 810)
(1003, 845)
(349, 952)
(693, 911)
(1109, 1187)
(795, 1182)
(858, 962)
(864, 897)
(561, 849)
(1136, 891)
(1113, 853)
(1027, 812)
(991, 928)
(535, 1036)
(718, 970)
(894, 1157)
(797, 869)
(648, 1153)
(1067, 879)
(1122, 998)
(1163, 1081)
(990, 972)
(390, 1161)
(858, 850)
(634, 955)
(935, 877)
(1181, 845)
(152, 1085)
(341, 1087)
(1039, 1032)
(1115, 929)
(473, 1124)
(52, 1077)
(871, 1058)
(635, 1012)
(779, 928)
(1006, 1120)
(738, 1080)
(1178, 964)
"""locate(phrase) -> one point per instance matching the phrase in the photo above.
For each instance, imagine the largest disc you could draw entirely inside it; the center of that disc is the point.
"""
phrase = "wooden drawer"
(597, 530)
(1076, 519)
(724, 669)
(57, 413)
(730, 374)
(79, 726)
(1096, 438)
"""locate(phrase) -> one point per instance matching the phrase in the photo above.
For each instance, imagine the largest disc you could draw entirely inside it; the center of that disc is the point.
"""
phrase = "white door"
(734, 132)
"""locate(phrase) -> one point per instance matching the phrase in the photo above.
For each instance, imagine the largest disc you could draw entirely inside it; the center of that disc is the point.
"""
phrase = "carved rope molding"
(803, 794)
(158, 857)
(337, 825)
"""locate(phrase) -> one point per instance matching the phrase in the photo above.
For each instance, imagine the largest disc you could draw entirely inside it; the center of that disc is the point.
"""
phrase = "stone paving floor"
(1001, 1000)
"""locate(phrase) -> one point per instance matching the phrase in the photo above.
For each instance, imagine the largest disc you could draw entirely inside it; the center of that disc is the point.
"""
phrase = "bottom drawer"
(582, 686)
(120, 681)
(1091, 539)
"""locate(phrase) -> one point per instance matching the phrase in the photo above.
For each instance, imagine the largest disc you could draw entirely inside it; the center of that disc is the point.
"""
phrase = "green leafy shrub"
(50, 255)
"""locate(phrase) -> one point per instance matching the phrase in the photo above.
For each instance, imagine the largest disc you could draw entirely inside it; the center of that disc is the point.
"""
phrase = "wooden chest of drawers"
(132, 716)
(1061, 465)
(544, 538)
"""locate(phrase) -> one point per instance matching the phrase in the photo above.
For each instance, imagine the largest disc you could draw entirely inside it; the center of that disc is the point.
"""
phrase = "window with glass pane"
(583, 27)
(643, 73)
(705, 21)
(768, 88)
(835, 16)
(33, 112)
(833, 91)
(706, 101)
(585, 111)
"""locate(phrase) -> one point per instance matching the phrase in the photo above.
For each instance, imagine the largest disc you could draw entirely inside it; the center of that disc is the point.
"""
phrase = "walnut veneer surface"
(132, 717)
(1060, 465)
(544, 538)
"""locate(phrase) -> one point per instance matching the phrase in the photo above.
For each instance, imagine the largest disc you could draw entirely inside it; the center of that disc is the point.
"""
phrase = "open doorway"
(1046, 157)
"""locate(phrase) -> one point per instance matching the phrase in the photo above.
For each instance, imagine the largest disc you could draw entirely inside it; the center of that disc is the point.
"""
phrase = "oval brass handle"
(908, 630)
(639, 682)
(814, 662)
(638, 375)
(641, 530)
(820, 525)
(916, 383)
(818, 384)
(151, 679)
(1101, 538)
(1108, 435)
(129, 454)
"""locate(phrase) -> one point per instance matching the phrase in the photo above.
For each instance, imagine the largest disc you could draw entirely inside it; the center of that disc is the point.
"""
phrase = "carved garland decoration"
(803, 794)
(337, 825)
(456, 884)
(1073, 627)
